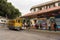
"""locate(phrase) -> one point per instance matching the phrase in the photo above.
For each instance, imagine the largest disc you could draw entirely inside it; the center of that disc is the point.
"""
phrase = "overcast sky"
(25, 5)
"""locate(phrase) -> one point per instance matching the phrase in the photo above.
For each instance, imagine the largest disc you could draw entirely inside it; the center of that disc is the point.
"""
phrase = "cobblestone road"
(6, 34)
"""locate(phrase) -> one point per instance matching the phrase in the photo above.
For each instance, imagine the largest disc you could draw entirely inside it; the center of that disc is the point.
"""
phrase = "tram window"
(18, 21)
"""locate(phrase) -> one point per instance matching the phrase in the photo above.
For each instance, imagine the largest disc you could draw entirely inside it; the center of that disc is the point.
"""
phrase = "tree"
(8, 10)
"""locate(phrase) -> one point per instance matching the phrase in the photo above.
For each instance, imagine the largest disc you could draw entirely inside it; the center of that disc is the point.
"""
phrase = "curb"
(45, 31)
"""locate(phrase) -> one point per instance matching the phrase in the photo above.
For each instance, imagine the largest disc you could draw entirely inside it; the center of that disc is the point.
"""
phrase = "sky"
(25, 5)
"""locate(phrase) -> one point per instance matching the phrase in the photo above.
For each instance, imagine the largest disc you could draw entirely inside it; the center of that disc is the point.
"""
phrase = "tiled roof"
(46, 3)
(42, 11)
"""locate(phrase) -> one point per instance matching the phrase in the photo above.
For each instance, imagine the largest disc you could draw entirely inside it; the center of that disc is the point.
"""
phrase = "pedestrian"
(55, 26)
(36, 25)
(49, 26)
(28, 25)
(40, 26)
(25, 24)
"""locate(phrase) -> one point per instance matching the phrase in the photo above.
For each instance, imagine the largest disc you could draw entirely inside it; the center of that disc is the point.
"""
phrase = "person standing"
(55, 26)
(40, 26)
(49, 26)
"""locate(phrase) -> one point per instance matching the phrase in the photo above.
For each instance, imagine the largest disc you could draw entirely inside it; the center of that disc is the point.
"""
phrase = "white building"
(3, 21)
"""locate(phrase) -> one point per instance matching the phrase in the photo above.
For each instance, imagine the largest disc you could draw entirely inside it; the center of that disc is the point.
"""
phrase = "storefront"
(50, 14)
(42, 22)
(57, 19)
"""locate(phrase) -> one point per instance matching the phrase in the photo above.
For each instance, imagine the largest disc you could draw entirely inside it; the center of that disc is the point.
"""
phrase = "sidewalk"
(47, 31)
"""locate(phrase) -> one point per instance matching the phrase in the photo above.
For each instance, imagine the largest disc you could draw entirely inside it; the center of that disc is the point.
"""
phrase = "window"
(47, 6)
(37, 9)
(1, 20)
(4, 20)
(56, 4)
(59, 4)
(32, 10)
(18, 21)
(52, 6)
(43, 8)
(40, 8)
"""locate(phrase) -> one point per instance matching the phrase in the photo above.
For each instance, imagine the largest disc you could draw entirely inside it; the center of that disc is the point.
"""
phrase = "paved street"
(6, 34)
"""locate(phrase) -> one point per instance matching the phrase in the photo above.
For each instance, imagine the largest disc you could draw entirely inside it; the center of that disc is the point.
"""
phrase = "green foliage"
(8, 10)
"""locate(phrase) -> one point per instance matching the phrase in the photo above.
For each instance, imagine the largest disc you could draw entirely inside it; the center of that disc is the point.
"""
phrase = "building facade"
(44, 6)
(3, 21)
(48, 11)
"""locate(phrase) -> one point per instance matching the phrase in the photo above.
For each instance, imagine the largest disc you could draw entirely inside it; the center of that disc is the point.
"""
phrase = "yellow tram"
(15, 23)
